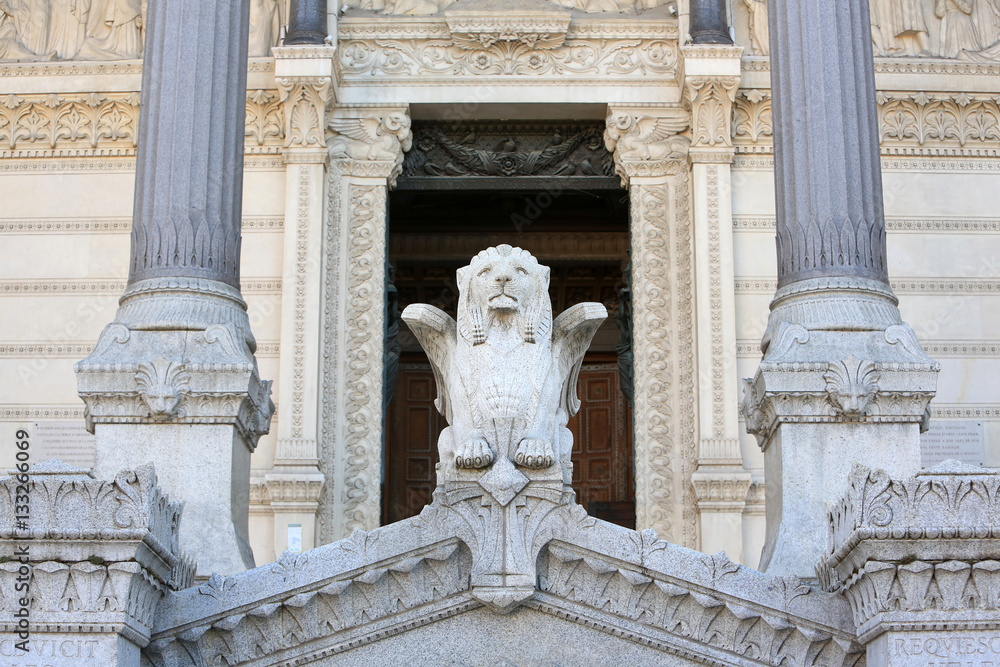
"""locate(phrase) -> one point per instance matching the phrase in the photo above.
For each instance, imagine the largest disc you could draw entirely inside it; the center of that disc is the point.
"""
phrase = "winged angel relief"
(506, 372)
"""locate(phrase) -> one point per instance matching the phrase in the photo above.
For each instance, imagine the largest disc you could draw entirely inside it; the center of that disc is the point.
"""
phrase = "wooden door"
(602, 442)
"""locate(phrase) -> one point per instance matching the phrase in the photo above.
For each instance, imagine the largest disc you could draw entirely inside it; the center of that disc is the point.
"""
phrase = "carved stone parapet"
(101, 554)
(369, 140)
(184, 377)
(917, 553)
(539, 553)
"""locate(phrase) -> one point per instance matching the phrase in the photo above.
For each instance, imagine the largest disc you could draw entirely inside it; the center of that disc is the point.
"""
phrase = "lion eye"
(523, 271)
(484, 271)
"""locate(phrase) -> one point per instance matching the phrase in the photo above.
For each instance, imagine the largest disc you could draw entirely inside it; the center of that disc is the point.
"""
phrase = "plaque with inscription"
(960, 440)
(67, 441)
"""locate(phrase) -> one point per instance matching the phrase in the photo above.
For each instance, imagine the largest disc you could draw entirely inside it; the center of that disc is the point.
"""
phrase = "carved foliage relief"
(106, 124)
(906, 120)
(634, 51)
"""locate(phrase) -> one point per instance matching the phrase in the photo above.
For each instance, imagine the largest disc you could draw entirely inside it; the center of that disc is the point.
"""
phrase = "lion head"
(504, 287)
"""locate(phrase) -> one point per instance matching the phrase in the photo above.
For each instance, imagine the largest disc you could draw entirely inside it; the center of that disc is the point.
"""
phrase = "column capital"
(646, 139)
(306, 80)
(711, 78)
(368, 140)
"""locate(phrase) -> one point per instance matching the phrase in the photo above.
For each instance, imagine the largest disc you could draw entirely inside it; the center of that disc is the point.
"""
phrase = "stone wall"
(67, 133)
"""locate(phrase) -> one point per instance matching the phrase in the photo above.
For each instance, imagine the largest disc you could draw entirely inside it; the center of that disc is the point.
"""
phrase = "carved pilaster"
(711, 77)
(651, 157)
(366, 145)
(304, 75)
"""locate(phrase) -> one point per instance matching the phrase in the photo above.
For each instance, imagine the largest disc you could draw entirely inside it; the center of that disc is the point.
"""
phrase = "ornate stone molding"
(919, 552)
(102, 553)
(213, 381)
(650, 156)
(523, 48)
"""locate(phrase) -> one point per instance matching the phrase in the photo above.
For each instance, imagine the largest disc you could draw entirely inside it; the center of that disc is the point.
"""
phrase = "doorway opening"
(581, 233)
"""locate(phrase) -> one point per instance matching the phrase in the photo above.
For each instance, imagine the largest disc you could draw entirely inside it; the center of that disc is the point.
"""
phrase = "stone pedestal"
(97, 556)
(917, 560)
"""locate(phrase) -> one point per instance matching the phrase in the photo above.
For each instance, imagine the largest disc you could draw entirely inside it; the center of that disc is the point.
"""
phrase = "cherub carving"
(371, 138)
(506, 372)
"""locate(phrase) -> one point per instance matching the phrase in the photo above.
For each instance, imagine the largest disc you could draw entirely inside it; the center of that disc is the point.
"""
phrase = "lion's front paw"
(534, 453)
(473, 453)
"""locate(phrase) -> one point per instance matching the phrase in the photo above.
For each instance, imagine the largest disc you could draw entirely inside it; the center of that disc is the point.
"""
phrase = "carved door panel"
(602, 442)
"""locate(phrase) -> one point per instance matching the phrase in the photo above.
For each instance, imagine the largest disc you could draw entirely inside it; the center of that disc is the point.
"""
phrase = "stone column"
(304, 75)
(173, 379)
(307, 22)
(651, 157)
(709, 22)
(711, 77)
(366, 145)
(843, 379)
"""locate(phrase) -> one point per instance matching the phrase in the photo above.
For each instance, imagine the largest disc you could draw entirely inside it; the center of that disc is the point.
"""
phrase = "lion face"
(503, 286)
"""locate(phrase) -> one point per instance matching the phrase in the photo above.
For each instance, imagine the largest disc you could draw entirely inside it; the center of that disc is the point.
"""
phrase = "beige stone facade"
(327, 129)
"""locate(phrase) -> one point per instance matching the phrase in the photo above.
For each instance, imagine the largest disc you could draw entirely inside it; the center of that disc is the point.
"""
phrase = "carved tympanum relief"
(962, 29)
(429, 7)
(102, 29)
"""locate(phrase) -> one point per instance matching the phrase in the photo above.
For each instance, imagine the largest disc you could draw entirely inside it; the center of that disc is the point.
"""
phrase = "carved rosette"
(651, 157)
(918, 552)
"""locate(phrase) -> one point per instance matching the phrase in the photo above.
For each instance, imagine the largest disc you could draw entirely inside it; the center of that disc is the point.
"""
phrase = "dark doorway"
(582, 235)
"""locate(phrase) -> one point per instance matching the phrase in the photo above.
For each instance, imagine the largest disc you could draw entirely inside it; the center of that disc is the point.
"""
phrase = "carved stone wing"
(663, 127)
(572, 332)
(436, 331)
(361, 129)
